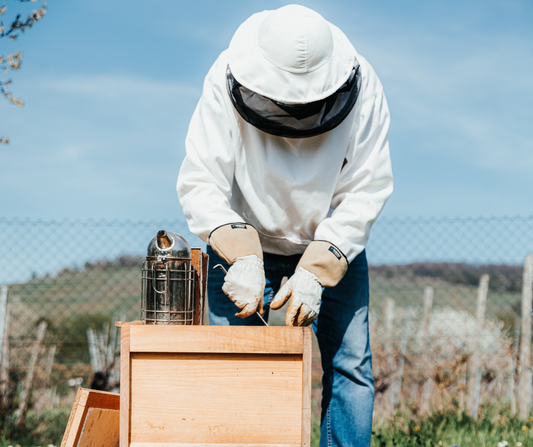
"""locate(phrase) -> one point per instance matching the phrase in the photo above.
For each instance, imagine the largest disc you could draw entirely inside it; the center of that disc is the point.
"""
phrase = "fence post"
(514, 359)
(462, 385)
(94, 352)
(4, 350)
(474, 383)
(424, 393)
(25, 395)
(525, 341)
(4, 370)
(389, 355)
(3, 316)
(49, 366)
(44, 395)
(403, 349)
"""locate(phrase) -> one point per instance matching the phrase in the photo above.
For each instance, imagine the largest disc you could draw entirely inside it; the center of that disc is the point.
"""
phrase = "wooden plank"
(403, 350)
(424, 392)
(200, 260)
(125, 384)
(513, 363)
(25, 395)
(525, 341)
(306, 386)
(180, 444)
(3, 317)
(205, 268)
(389, 355)
(216, 398)
(196, 260)
(75, 420)
(221, 339)
(101, 428)
(119, 324)
(4, 366)
(475, 361)
(103, 400)
(94, 420)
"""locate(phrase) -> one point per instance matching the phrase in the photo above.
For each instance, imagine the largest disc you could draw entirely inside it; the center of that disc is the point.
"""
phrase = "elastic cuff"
(235, 240)
(326, 261)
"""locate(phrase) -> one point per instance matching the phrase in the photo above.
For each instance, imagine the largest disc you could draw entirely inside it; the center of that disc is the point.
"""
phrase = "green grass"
(449, 428)
(39, 430)
(444, 429)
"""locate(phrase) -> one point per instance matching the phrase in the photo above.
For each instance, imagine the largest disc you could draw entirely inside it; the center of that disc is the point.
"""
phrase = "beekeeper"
(287, 168)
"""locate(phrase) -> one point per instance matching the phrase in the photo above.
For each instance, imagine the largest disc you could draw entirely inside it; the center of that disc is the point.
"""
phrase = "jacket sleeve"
(206, 176)
(365, 183)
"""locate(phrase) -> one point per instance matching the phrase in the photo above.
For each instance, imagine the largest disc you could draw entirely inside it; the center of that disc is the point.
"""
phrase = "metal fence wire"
(446, 307)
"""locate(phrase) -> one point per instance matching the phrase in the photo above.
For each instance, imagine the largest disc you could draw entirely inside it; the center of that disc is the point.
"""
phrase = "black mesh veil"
(295, 120)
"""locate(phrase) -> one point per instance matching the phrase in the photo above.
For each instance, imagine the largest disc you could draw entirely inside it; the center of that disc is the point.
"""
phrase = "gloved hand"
(305, 292)
(245, 285)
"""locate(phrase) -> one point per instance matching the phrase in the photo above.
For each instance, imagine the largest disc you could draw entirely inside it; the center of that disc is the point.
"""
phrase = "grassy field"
(493, 429)
(500, 304)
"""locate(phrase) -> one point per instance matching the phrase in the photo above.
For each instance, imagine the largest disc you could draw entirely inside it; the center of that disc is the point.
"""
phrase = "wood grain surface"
(180, 444)
(216, 398)
(93, 413)
(101, 428)
(306, 386)
(125, 384)
(217, 339)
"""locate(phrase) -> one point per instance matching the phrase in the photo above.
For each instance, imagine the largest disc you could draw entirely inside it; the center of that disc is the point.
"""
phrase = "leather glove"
(245, 285)
(305, 292)
(235, 240)
(326, 261)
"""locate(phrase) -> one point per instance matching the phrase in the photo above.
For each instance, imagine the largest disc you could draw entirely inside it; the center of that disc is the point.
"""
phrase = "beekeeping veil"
(291, 73)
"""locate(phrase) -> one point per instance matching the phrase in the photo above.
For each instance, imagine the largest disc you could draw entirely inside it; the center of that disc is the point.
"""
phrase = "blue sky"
(109, 88)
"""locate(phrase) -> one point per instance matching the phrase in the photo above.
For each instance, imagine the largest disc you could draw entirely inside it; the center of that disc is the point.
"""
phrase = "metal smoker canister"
(169, 282)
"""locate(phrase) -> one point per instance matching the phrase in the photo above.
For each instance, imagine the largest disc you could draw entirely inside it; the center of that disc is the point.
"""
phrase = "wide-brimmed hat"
(291, 55)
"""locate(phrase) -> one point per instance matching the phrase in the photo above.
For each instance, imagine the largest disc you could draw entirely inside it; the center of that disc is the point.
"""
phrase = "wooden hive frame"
(209, 386)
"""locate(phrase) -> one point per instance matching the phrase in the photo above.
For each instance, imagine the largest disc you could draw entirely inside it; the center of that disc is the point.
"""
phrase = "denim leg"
(348, 385)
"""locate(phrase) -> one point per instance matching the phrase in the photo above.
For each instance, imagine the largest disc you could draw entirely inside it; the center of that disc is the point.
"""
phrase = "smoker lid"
(169, 245)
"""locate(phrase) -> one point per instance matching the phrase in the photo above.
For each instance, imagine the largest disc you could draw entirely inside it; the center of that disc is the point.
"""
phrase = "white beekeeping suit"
(264, 171)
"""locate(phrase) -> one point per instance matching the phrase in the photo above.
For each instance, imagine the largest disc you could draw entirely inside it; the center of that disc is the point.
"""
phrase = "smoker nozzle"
(163, 241)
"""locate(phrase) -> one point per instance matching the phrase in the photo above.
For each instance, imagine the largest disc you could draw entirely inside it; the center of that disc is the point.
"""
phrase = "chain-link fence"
(443, 333)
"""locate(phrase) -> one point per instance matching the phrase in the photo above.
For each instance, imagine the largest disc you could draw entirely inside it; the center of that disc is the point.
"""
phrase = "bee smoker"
(171, 290)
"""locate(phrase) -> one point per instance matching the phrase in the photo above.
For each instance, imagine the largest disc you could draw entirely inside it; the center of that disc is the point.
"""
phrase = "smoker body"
(172, 288)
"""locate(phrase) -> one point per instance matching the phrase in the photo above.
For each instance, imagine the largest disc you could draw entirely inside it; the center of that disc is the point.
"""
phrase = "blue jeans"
(342, 333)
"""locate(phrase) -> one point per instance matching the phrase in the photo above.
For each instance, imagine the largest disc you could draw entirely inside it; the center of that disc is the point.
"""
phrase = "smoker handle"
(166, 281)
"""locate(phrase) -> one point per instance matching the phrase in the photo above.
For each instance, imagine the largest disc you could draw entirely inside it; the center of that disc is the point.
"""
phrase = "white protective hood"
(329, 187)
(291, 55)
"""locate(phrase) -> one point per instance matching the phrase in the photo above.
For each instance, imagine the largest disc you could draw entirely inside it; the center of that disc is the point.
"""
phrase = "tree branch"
(19, 26)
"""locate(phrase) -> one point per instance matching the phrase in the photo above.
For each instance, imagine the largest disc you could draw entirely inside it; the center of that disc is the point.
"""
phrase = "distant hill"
(503, 278)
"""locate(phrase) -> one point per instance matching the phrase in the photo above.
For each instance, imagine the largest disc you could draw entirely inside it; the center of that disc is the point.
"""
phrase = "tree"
(13, 61)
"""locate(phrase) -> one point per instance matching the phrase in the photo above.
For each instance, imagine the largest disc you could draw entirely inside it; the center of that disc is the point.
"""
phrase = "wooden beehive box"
(94, 420)
(215, 385)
